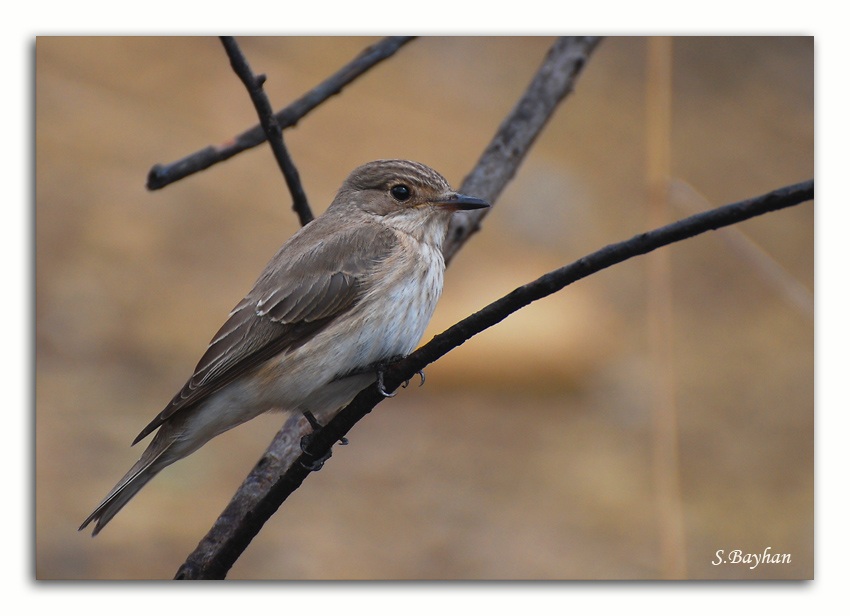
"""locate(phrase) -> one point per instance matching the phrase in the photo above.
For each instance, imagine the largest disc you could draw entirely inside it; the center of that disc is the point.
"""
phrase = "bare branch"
(241, 531)
(162, 175)
(502, 157)
(271, 127)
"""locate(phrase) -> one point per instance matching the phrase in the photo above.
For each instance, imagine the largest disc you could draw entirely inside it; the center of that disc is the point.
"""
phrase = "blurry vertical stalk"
(665, 450)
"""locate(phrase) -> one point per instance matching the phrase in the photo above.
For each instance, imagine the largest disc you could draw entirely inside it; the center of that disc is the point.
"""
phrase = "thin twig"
(162, 175)
(271, 127)
(496, 166)
(320, 445)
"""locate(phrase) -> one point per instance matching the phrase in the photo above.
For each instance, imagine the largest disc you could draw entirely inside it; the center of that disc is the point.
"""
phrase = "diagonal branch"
(161, 175)
(234, 544)
(271, 127)
(502, 157)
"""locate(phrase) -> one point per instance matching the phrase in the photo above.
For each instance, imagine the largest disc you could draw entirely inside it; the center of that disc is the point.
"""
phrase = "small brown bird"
(353, 288)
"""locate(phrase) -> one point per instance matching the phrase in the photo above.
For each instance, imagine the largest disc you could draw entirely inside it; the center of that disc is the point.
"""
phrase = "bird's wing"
(298, 294)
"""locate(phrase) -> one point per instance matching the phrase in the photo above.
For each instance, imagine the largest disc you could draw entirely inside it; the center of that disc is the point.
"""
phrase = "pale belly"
(388, 322)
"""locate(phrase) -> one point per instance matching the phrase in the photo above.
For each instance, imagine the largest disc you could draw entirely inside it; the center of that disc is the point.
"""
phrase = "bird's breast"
(396, 309)
(388, 320)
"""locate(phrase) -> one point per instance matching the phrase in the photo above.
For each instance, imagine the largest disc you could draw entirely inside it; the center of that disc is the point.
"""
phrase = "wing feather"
(299, 292)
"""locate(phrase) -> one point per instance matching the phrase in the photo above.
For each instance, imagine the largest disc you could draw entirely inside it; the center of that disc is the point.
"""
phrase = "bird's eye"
(400, 192)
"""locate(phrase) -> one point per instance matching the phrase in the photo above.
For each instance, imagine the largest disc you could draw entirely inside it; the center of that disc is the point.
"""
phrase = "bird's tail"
(159, 454)
(119, 496)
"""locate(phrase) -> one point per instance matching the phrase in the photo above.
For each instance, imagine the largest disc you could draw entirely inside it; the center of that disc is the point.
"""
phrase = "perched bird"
(352, 289)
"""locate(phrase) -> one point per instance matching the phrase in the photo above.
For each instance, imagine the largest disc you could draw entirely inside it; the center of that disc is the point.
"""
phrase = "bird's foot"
(318, 463)
(381, 389)
(382, 366)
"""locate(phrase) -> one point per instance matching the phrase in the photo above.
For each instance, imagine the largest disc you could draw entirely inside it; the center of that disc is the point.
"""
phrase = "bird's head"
(404, 194)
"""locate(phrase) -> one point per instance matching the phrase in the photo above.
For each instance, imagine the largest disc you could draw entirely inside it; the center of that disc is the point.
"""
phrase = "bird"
(349, 291)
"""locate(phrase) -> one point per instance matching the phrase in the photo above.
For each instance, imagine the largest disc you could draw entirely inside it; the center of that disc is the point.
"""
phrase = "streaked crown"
(381, 174)
(391, 186)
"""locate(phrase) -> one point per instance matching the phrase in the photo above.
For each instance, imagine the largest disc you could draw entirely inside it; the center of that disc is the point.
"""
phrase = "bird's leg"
(307, 439)
(314, 423)
(311, 419)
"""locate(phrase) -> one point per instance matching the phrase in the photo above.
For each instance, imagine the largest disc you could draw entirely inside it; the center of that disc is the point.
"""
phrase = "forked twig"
(162, 175)
(271, 127)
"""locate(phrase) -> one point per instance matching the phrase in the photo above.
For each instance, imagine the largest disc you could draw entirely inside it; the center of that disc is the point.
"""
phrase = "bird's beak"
(458, 201)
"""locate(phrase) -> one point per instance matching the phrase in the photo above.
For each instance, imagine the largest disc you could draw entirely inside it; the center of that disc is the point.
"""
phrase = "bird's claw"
(381, 389)
(318, 463)
(307, 439)
(421, 382)
(386, 394)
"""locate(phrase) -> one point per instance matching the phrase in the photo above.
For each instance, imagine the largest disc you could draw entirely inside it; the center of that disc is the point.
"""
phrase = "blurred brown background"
(528, 453)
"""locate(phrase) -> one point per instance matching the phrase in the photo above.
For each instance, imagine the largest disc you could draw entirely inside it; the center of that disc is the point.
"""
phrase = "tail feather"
(165, 449)
(182, 434)
(121, 494)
